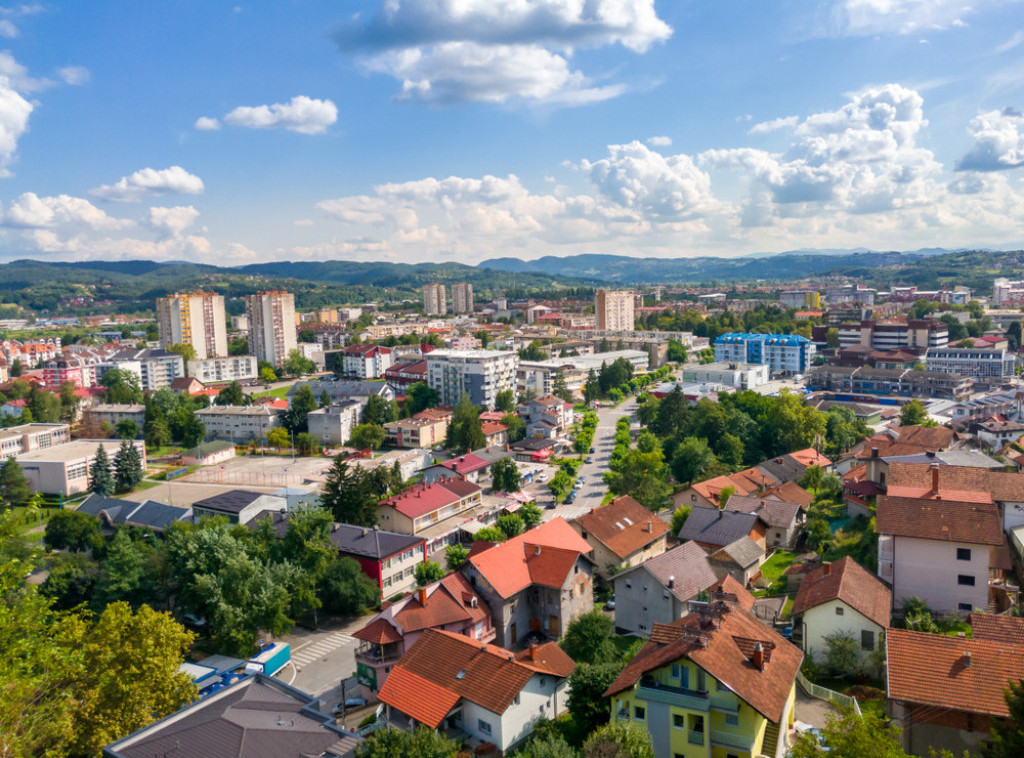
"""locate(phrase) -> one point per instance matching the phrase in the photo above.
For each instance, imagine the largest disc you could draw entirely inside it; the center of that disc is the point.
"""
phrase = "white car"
(542, 478)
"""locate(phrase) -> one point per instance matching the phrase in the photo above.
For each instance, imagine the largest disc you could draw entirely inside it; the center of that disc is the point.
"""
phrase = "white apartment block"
(1007, 293)
(238, 423)
(977, 363)
(271, 325)
(481, 374)
(614, 309)
(366, 361)
(195, 319)
(234, 368)
(435, 303)
(333, 425)
(462, 297)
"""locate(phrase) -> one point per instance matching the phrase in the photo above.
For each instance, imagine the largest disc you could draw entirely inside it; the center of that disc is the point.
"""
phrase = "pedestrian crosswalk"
(315, 651)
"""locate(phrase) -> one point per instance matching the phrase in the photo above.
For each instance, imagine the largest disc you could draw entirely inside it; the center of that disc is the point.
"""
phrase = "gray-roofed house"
(741, 560)
(961, 457)
(658, 590)
(780, 518)
(712, 528)
(238, 506)
(256, 717)
(149, 513)
(341, 391)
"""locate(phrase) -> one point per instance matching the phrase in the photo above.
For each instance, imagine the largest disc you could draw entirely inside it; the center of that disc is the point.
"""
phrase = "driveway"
(321, 659)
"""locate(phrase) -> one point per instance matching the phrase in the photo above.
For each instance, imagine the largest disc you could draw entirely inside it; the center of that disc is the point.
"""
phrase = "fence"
(824, 693)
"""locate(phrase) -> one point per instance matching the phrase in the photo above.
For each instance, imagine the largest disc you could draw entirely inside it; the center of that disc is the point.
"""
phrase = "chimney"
(650, 526)
(935, 478)
(874, 452)
(334, 526)
(533, 651)
(536, 549)
(365, 531)
(422, 592)
(826, 568)
(758, 656)
(671, 582)
(967, 659)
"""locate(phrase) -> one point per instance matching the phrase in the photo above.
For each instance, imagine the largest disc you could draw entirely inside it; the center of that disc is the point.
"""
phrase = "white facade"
(481, 374)
(362, 363)
(235, 368)
(747, 376)
(333, 425)
(239, 423)
(313, 351)
(836, 616)
(271, 325)
(64, 469)
(195, 319)
(543, 696)
(950, 577)
(974, 362)
(614, 310)
(1007, 294)
(435, 302)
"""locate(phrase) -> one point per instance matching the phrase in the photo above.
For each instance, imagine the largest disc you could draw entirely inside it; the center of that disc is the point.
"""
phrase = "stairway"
(771, 740)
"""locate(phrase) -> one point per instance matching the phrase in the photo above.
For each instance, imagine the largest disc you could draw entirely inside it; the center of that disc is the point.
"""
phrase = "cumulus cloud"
(30, 211)
(207, 124)
(14, 115)
(172, 221)
(998, 142)
(870, 17)
(302, 114)
(659, 141)
(149, 181)
(17, 76)
(74, 75)
(449, 51)
(787, 122)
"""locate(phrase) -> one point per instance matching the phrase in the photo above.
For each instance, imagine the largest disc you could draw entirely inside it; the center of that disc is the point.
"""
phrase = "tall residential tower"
(462, 297)
(271, 325)
(614, 310)
(435, 303)
(196, 319)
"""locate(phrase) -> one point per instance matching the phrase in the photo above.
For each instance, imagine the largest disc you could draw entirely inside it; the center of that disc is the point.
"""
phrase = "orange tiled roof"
(730, 585)
(932, 669)
(623, 526)
(987, 485)
(379, 632)
(810, 457)
(417, 696)
(548, 658)
(848, 581)
(791, 492)
(987, 626)
(974, 523)
(448, 602)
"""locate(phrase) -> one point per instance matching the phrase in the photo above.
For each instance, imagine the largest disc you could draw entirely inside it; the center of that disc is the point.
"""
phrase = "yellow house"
(717, 683)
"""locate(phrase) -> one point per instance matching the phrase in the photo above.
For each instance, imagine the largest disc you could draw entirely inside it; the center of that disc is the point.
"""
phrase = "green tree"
(724, 494)
(122, 386)
(464, 431)
(842, 653)
(367, 436)
(642, 474)
(14, 486)
(127, 429)
(587, 704)
(232, 395)
(456, 556)
(559, 388)
(185, 350)
(44, 406)
(268, 375)
(531, 514)
(419, 397)
(589, 639)
(71, 581)
(676, 352)
(848, 735)
(427, 572)
(546, 745)
(17, 368)
(306, 444)
(421, 743)
(490, 534)
(192, 429)
(812, 477)
(278, 437)
(818, 533)
(348, 496)
(691, 459)
(379, 410)
(619, 739)
(516, 427)
(123, 572)
(1007, 740)
(303, 402)
(679, 516)
(913, 414)
(296, 364)
(101, 479)
(127, 467)
(505, 401)
(72, 530)
(510, 525)
(505, 476)
(533, 352)
(345, 590)
(591, 387)
(68, 402)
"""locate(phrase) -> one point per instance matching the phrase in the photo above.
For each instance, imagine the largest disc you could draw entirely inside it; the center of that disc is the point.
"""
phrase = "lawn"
(279, 392)
(773, 568)
(146, 484)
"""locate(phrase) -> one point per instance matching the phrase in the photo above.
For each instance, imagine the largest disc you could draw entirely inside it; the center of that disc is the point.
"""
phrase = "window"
(639, 713)
(515, 700)
(965, 580)
(867, 639)
(483, 726)
(676, 668)
(732, 719)
(678, 721)
(629, 585)
(839, 610)
(963, 554)
(965, 607)
(701, 686)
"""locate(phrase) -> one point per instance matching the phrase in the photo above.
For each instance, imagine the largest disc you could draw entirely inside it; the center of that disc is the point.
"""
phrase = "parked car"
(542, 478)
(590, 459)
(610, 605)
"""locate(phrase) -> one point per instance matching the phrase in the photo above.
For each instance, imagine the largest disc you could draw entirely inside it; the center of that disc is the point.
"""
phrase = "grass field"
(773, 567)
(279, 392)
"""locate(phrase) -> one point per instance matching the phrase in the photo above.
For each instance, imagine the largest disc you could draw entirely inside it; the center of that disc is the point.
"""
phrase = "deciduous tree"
(589, 639)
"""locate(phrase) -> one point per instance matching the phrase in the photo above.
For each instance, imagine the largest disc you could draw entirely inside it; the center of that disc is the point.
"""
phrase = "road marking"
(317, 649)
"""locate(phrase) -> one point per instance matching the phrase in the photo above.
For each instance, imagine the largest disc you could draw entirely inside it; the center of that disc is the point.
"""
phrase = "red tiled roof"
(623, 526)
(932, 669)
(791, 492)
(847, 581)
(974, 523)
(548, 658)
(988, 485)
(448, 602)
(987, 626)
(422, 499)
(465, 464)
(492, 427)
(544, 555)
(810, 457)
(379, 632)
(730, 585)
(416, 696)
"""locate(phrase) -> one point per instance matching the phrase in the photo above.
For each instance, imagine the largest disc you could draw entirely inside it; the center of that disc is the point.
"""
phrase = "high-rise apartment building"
(435, 303)
(196, 319)
(271, 325)
(481, 374)
(614, 309)
(462, 297)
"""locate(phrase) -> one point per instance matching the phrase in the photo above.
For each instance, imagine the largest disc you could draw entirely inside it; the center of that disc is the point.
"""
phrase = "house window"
(678, 721)
(701, 686)
(963, 554)
(629, 585)
(839, 610)
(483, 726)
(639, 713)
(867, 639)
(515, 700)
(965, 580)
(676, 668)
(732, 719)
(965, 607)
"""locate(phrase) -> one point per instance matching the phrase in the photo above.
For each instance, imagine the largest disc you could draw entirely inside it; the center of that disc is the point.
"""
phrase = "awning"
(472, 527)
(541, 455)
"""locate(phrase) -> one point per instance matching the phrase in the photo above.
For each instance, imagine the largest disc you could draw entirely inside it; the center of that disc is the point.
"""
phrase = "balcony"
(374, 655)
(680, 697)
(695, 738)
(734, 741)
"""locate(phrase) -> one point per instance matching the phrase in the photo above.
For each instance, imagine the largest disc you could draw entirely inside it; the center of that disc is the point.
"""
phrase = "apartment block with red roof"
(423, 505)
(476, 690)
(366, 361)
(536, 583)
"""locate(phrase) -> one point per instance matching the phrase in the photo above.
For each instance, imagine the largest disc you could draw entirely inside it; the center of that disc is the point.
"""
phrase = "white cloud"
(1010, 44)
(870, 17)
(149, 181)
(18, 77)
(302, 114)
(14, 114)
(74, 75)
(7, 29)
(659, 141)
(787, 122)
(30, 211)
(172, 221)
(468, 72)
(998, 142)
(207, 124)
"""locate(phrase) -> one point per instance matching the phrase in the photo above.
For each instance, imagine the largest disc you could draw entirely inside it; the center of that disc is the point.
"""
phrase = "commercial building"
(435, 303)
(746, 376)
(880, 381)
(235, 368)
(238, 423)
(979, 364)
(271, 325)
(332, 425)
(782, 353)
(800, 299)
(462, 297)
(15, 440)
(614, 309)
(916, 334)
(480, 374)
(195, 319)
(64, 469)
(238, 506)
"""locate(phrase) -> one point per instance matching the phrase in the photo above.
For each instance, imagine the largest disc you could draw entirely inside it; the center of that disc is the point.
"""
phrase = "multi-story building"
(424, 430)
(480, 374)
(614, 309)
(783, 353)
(15, 440)
(271, 325)
(435, 302)
(332, 425)
(406, 373)
(235, 368)
(421, 506)
(115, 413)
(916, 334)
(1007, 294)
(879, 381)
(64, 469)
(747, 376)
(716, 682)
(78, 369)
(800, 299)
(196, 319)
(539, 376)
(155, 368)
(239, 423)
(340, 391)
(462, 297)
(623, 534)
(978, 363)
(366, 361)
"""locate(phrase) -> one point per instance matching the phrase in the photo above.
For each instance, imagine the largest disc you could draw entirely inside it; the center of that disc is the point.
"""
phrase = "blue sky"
(437, 130)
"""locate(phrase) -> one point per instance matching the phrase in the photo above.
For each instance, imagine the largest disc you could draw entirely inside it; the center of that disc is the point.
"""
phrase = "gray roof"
(147, 513)
(341, 388)
(257, 717)
(714, 527)
(233, 501)
(968, 458)
(351, 540)
(784, 468)
(686, 566)
(743, 552)
(773, 512)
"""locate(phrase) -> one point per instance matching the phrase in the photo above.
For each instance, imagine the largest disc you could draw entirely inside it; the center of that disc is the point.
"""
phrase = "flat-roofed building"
(271, 325)
(23, 438)
(462, 297)
(480, 374)
(64, 469)
(239, 423)
(332, 425)
(234, 368)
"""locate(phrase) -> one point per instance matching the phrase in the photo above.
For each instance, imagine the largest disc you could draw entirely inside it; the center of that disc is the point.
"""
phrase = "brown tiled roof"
(548, 658)
(730, 585)
(442, 667)
(932, 669)
(949, 520)
(987, 626)
(623, 526)
(811, 457)
(930, 437)
(723, 653)
(848, 581)
(448, 602)
(1002, 486)
(791, 492)
(379, 632)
